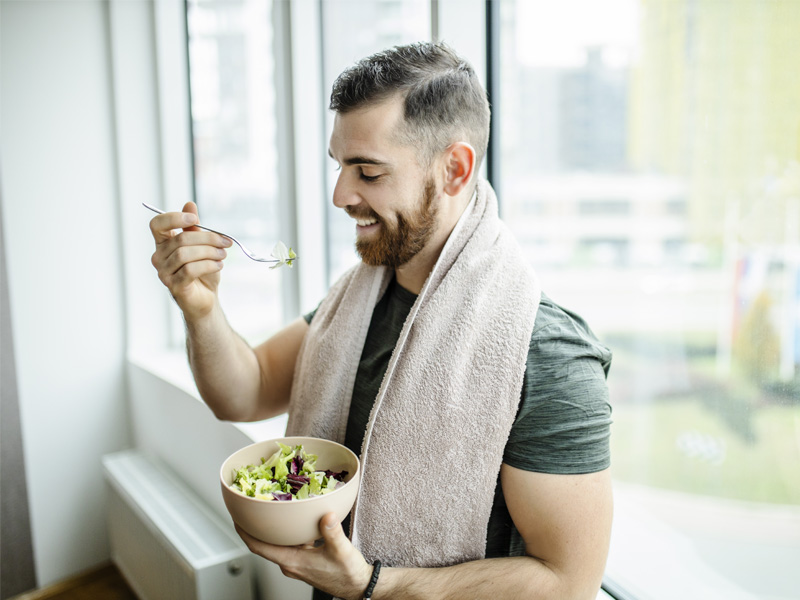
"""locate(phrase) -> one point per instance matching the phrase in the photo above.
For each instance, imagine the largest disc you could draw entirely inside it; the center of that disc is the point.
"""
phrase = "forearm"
(512, 578)
(224, 366)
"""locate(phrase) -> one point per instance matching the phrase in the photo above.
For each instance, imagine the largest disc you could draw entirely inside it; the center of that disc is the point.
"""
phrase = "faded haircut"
(443, 100)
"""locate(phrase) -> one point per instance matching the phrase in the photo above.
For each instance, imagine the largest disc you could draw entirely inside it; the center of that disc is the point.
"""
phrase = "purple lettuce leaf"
(338, 476)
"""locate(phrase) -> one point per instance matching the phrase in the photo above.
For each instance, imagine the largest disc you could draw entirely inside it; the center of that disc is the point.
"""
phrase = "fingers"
(189, 253)
(280, 555)
(187, 273)
(162, 226)
(188, 260)
(166, 230)
(189, 246)
(336, 566)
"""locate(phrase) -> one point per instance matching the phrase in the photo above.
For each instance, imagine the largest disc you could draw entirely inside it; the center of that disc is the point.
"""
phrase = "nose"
(344, 194)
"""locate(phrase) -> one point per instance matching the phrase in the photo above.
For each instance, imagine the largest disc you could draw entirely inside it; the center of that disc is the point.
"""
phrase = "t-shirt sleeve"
(564, 419)
(310, 316)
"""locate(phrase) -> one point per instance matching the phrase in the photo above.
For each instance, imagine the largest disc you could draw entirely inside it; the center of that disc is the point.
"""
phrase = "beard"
(396, 244)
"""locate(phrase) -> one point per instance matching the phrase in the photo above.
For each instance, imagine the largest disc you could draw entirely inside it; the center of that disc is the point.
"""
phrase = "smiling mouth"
(366, 222)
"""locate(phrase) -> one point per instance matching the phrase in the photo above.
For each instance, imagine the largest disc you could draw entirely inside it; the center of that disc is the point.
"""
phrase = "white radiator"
(168, 544)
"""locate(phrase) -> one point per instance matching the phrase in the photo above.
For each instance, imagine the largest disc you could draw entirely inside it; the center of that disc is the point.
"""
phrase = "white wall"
(63, 251)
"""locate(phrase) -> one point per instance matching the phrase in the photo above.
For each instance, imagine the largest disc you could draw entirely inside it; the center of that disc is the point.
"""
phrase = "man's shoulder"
(563, 419)
(558, 330)
(551, 314)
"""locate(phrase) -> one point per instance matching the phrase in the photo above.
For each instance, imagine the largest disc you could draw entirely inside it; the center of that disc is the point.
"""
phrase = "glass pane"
(352, 30)
(649, 167)
(231, 67)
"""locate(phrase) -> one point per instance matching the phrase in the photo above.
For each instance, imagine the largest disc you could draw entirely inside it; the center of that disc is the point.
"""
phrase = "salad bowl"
(296, 521)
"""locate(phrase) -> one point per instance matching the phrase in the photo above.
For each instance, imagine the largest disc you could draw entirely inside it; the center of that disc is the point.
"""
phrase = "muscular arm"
(565, 521)
(237, 382)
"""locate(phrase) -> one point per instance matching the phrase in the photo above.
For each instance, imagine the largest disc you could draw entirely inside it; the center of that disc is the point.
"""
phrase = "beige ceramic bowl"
(296, 521)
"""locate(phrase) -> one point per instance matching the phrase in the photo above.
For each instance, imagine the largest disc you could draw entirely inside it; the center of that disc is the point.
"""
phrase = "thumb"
(331, 530)
(191, 208)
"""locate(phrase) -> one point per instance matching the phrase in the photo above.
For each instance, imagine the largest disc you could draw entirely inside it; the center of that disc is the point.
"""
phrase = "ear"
(459, 165)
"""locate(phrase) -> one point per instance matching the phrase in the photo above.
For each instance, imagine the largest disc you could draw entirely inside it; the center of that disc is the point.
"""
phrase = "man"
(478, 407)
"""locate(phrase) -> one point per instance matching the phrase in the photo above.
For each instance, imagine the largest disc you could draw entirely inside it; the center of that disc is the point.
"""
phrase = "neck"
(412, 277)
(413, 274)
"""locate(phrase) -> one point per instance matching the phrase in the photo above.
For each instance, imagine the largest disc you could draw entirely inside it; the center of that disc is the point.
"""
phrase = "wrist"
(197, 304)
(369, 590)
(388, 585)
(200, 320)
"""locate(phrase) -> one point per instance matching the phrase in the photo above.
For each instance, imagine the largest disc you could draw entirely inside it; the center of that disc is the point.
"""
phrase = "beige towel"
(435, 438)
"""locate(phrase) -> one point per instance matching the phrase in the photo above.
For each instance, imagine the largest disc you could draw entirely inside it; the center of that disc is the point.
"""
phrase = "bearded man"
(477, 406)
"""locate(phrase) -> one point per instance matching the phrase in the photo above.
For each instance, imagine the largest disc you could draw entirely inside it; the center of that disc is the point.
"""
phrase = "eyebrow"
(361, 160)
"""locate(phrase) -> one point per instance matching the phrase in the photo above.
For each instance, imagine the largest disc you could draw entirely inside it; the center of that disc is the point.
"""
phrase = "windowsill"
(172, 367)
(722, 548)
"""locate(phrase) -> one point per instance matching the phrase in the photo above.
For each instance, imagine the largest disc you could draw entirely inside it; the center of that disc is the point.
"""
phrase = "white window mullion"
(173, 96)
(461, 24)
(284, 112)
(309, 102)
(172, 72)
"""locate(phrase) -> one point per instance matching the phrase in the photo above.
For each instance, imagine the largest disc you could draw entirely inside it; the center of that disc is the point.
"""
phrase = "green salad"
(289, 474)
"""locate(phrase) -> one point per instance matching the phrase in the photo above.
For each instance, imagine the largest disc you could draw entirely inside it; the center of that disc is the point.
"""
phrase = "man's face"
(381, 185)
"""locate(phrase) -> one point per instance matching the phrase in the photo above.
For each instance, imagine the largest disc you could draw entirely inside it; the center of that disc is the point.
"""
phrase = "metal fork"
(247, 252)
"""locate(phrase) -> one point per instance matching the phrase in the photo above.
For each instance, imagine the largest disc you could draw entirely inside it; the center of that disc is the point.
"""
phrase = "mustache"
(365, 213)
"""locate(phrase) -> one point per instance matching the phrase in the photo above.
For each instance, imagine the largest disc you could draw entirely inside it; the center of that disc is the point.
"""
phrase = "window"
(231, 67)
(668, 134)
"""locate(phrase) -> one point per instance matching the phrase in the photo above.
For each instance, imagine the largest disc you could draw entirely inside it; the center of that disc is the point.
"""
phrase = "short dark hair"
(444, 100)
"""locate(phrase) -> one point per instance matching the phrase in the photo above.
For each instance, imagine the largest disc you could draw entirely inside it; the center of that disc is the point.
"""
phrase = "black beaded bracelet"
(376, 570)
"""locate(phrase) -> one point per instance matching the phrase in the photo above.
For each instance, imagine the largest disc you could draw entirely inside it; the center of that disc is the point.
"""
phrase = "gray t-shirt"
(563, 420)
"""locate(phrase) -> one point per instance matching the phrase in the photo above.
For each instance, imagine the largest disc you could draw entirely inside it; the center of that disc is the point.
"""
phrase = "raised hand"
(188, 260)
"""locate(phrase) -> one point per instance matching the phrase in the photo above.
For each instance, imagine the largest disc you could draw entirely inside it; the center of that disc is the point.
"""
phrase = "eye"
(369, 178)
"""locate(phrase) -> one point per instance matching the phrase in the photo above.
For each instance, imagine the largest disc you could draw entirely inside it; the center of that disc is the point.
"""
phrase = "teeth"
(366, 222)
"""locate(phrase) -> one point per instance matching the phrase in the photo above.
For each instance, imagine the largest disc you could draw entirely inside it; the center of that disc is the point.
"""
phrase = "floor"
(104, 583)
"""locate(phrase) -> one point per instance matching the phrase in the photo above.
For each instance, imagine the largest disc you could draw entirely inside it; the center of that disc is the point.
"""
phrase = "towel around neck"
(439, 424)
